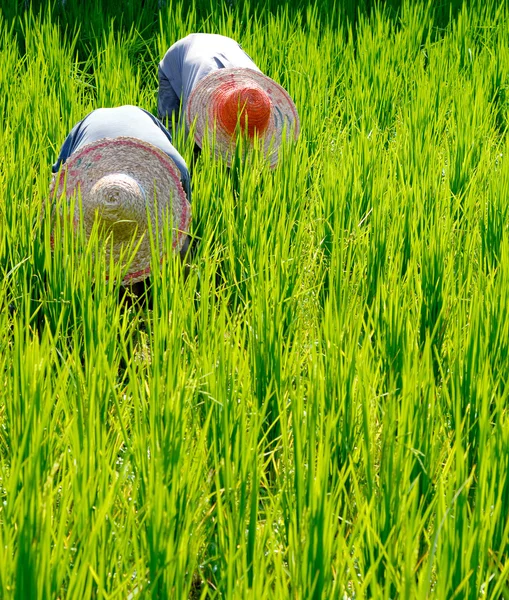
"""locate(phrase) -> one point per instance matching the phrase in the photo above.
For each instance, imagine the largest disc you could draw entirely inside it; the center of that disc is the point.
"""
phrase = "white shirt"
(187, 62)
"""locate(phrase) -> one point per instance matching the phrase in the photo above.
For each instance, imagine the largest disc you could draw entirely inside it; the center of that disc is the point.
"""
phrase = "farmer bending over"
(131, 179)
(210, 79)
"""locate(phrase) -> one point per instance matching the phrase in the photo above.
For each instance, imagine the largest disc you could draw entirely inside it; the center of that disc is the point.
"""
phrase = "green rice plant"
(315, 406)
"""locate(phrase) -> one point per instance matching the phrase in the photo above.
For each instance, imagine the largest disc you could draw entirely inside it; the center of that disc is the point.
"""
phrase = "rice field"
(319, 407)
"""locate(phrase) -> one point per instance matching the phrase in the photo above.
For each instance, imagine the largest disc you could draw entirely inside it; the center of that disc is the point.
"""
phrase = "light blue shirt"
(128, 121)
(187, 62)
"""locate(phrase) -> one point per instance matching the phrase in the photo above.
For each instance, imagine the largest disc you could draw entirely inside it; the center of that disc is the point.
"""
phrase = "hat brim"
(155, 171)
(201, 110)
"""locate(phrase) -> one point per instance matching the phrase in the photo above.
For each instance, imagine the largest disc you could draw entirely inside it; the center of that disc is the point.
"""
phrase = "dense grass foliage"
(319, 409)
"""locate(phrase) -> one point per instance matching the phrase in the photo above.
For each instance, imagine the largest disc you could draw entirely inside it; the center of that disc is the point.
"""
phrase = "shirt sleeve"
(67, 148)
(185, 178)
(168, 102)
(186, 184)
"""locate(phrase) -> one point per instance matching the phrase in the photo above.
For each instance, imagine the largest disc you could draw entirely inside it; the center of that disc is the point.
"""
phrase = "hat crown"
(118, 197)
(249, 105)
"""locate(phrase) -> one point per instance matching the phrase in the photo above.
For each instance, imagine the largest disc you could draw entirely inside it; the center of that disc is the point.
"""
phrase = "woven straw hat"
(124, 182)
(226, 97)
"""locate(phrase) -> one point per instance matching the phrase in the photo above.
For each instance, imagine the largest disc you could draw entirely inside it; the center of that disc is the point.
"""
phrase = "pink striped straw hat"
(261, 107)
(128, 186)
